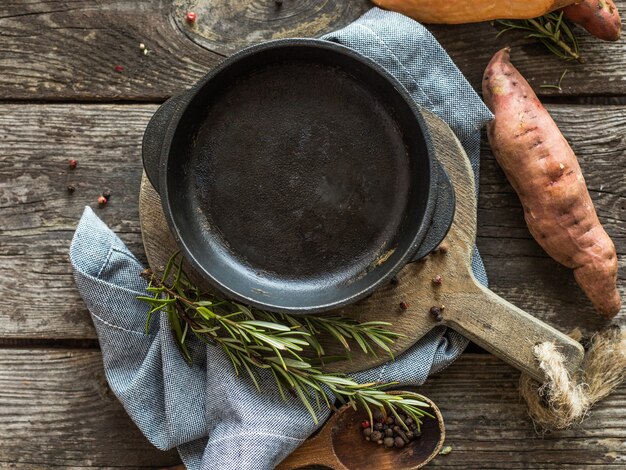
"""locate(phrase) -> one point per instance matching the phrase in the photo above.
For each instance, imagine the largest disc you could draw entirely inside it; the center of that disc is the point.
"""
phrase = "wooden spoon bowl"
(340, 445)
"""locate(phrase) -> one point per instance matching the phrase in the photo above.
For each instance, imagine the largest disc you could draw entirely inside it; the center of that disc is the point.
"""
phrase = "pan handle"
(442, 215)
(505, 330)
(153, 138)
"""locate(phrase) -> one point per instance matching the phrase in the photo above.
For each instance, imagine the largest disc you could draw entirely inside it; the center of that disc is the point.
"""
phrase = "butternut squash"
(471, 11)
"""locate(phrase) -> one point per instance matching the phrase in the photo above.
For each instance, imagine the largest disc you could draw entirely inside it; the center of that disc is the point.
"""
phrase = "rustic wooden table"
(61, 98)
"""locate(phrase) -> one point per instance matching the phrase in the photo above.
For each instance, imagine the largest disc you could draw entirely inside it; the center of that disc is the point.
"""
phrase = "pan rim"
(416, 237)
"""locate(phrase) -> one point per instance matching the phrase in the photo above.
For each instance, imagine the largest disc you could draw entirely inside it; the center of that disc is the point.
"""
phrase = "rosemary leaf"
(254, 339)
(552, 30)
(170, 263)
(280, 387)
(251, 374)
(306, 402)
(266, 324)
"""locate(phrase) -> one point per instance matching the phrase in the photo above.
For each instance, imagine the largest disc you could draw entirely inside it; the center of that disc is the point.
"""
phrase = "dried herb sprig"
(558, 85)
(552, 30)
(279, 343)
(205, 315)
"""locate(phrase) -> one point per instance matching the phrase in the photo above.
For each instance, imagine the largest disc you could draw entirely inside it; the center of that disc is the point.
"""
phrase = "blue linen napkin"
(214, 418)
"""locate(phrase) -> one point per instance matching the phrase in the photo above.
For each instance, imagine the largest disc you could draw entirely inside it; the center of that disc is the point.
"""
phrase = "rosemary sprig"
(558, 84)
(552, 30)
(279, 343)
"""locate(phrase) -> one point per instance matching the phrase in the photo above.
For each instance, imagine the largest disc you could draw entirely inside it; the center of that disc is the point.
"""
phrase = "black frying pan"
(298, 176)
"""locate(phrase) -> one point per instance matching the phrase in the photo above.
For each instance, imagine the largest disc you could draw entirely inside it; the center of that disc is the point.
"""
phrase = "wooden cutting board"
(471, 309)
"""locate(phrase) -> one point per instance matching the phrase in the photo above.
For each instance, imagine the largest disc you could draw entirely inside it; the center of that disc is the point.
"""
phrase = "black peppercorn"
(376, 435)
(389, 442)
(378, 415)
(378, 426)
(394, 281)
(390, 420)
(389, 432)
(71, 188)
(107, 194)
(399, 442)
(436, 313)
(367, 432)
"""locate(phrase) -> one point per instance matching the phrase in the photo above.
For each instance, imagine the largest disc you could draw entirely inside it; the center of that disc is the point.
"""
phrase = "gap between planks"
(70, 53)
(39, 217)
(57, 410)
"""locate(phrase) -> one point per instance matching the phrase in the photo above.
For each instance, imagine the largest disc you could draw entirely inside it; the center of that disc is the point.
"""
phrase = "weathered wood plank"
(225, 27)
(58, 411)
(472, 46)
(487, 425)
(38, 216)
(67, 49)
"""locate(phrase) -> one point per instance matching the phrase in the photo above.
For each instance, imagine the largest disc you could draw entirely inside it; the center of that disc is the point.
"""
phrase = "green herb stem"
(554, 37)
(552, 30)
(282, 344)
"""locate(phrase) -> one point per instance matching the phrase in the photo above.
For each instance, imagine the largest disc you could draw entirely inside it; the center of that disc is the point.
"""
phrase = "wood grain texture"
(55, 407)
(38, 216)
(485, 418)
(57, 411)
(471, 309)
(59, 50)
(226, 26)
(67, 49)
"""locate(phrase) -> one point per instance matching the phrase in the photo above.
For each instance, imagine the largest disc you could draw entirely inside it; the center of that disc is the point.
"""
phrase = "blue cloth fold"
(215, 419)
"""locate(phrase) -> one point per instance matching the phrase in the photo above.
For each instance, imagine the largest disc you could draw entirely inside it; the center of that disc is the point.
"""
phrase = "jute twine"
(563, 401)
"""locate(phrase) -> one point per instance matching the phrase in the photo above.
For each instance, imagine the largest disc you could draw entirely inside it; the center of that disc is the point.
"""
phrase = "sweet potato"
(471, 11)
(599, 17)
(543, 170)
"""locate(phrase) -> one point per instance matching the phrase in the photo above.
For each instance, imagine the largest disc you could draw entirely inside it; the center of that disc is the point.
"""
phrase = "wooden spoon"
(340, 445)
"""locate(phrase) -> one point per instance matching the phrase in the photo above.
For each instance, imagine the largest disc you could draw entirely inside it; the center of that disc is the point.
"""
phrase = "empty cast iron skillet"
(298, 176)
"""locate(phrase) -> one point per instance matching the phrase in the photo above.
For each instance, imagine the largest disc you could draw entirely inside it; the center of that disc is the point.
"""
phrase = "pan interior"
(295, 179)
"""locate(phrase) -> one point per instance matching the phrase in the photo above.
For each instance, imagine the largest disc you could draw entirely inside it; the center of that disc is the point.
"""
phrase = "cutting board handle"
(491, 322)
